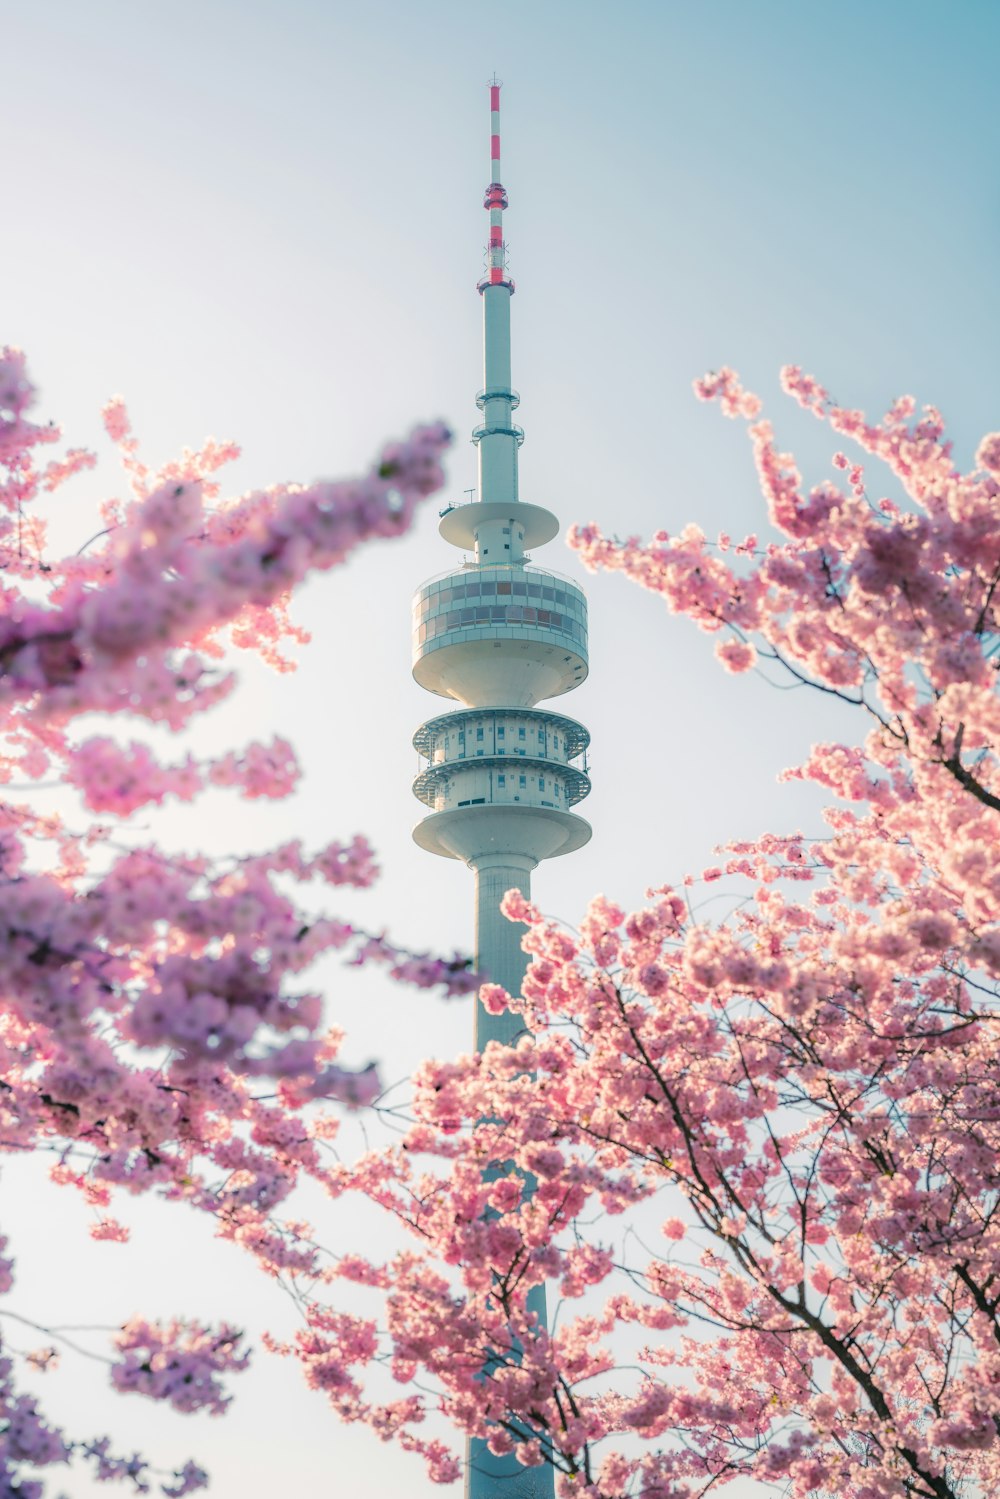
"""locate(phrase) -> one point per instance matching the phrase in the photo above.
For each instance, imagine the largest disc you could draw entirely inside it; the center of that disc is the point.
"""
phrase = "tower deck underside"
(461, 524)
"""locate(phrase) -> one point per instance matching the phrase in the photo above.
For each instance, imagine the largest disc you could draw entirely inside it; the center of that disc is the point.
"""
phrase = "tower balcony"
(501, 783)
(512, 396)
(486, 430)
(495, 276)
(502, 757)
(517, 732)
(494, 636)
(497, 781)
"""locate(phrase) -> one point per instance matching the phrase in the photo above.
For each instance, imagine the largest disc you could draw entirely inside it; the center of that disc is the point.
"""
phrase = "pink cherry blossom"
(179, 1363)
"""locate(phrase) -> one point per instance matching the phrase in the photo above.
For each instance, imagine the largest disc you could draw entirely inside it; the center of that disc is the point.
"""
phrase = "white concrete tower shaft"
(502, 776)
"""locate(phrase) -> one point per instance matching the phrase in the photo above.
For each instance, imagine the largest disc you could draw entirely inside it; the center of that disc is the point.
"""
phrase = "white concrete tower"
(498, 636)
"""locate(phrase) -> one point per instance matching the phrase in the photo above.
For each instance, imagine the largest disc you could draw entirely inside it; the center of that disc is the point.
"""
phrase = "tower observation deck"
(498, 636)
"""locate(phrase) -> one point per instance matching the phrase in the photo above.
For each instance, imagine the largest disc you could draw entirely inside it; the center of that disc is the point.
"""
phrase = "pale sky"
(264, 221)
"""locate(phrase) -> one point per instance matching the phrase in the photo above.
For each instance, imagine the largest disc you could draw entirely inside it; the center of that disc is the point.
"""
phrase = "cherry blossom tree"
(796, 1109)
(152, 999)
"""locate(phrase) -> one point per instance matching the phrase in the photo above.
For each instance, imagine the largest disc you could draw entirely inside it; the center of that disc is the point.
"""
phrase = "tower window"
(520, 733)
(523, 780)
(501, 780)
(479, 733)
(501, 732)
(541, 783)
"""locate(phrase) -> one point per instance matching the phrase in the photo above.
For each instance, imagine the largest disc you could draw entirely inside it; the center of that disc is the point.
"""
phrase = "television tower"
(498, 635)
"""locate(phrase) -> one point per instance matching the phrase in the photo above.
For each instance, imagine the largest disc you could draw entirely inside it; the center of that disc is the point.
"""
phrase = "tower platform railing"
(487, 394)
(533, 569)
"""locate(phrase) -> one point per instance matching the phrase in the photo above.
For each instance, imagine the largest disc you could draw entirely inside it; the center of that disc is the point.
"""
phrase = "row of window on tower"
(472, 619)
(501, 738)
(516, 585)
(522, 781)
(507, 788)
(538, 732)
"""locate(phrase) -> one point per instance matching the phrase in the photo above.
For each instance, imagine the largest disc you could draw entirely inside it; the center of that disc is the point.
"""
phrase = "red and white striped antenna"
(495, 200)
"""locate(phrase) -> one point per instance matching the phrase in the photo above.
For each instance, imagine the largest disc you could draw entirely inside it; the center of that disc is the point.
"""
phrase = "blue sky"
(263, 220)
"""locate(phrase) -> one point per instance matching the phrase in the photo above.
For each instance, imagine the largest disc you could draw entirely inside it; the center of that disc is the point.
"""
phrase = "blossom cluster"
(180, 1363)
(156, 1032)
(29, 1443)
